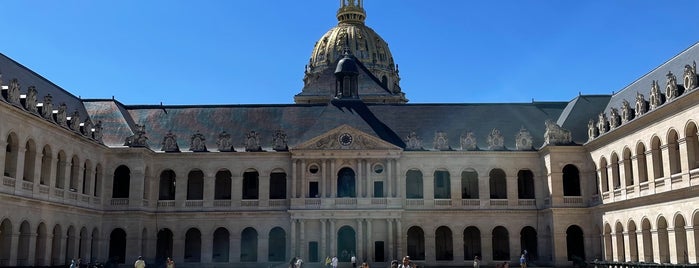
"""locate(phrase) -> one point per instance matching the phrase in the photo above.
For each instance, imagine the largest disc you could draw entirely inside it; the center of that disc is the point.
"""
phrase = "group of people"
(523, 260)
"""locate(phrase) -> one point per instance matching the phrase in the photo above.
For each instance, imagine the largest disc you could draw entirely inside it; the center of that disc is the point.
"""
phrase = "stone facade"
(102, 184)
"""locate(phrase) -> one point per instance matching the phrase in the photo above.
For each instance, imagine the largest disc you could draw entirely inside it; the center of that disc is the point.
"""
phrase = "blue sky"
(248, 52)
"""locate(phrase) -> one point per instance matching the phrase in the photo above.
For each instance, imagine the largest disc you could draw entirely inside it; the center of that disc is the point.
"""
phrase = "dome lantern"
(351, 11)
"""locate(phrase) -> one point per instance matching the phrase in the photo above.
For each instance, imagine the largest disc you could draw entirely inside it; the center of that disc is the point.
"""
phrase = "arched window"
(443, 244)
(416, 243)
(75, 173)
(61, 170)
(98, 181)
(525, 184)
(673, 147)
(642, 163)
(11, 154)
(277, 245)
(163, 247)
(647, 240)
(248, 245)
(87, 175)
(657, 156)
(529, 241)
(277, 185)
(620, 247)
(501, 243)
(117, 246)
(472, 243)
(469, 184)
(571, 181)
(680, 239)
(23, 242)
(221, 246)
(413, 184)
(442, 185)
(167, 185)
(346, 183)
(616, 179)
(251, 185)
(222, 187)
(122, 179)
(29, 160)
(195, 185)
(608, 249)
(628, 168)
(604, 179)
(498, 184)
(192, 245)
(575, 243)
(692, 145)
(46, 159)
(633, 242)
(346, 243)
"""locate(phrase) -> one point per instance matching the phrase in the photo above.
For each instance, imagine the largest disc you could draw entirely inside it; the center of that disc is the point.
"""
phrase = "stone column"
(455, 188)
(389, 178)
(650, 169)
(656, 245)
(178, 241)
(428, 188)
(323, 238)
(333, 237)
(294, 244)
(684, 159)
(294, 177)
(263, 195)
(671, 238)
(14, 244)
(627, 246)
(19, 177)
(38, 156)
(691, 244)
(322, 183)
(636, 166)
(302, 239)
(262, 247)
(209, 189)
(304, 186)
(360, 239)
(333, 182)
(368, 185)
(237, 192)
(32, 249)
(3, 154)
(487, 247)
(664, 150)
(400, 236)
(369, 256)
(400, 180)
(389, 226)
(234, 251)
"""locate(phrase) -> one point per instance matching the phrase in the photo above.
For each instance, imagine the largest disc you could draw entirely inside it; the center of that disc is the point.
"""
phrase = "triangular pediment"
(346, 137)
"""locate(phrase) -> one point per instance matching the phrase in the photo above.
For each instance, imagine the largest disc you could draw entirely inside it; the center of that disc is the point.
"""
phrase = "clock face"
(345, 139)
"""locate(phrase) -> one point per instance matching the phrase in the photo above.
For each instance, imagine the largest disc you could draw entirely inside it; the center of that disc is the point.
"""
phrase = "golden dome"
(365, 45)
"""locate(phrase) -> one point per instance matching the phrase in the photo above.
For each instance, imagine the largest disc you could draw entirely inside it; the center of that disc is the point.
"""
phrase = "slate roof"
(642, 85)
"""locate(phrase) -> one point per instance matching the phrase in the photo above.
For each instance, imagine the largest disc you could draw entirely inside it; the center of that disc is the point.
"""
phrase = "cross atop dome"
(351, 11)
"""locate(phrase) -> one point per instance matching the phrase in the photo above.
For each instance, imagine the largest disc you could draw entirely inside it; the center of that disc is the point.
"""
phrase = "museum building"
(351, 169)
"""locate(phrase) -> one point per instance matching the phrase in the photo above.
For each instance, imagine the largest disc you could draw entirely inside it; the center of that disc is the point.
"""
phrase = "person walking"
(523, 261)
(169, 263)
(476, 262)
(354, 261)
(334, 262)
(140, 263)
(406, 263)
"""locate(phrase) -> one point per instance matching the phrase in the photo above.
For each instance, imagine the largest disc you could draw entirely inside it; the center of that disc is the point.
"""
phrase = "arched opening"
(71, 244)
(346, 243)
(673, 148)
(29, 160)
(681, 240)
(23, 244)
(571, 181)
(529, 241)
(195, 185)
(472, 243)
(83, 241)
(93, 244)
(413, 185)
(122, 180)
(608, 249)
(87, 175)
(74, 173)
(277, 245)
(498, 184)
(346, 186)
(40, 246)
(222, 187)
(642, 163)
(575, 242)
(525, 184)
(251, 185)
(56, 245)
(167, 185)
(657, 156)
(603, 175)
(277, 185)
(692, 145)
(248, 245)
(443, 244)
(117, 246)
(11, 154)
(416, 243)
(46, 159)
(469, 184)
(628, 167)
(192, 245)
(442, 185)
(616, 178)
(647, 241)
(220, 250)
(61, 170)
(163, 247)
(633, 242)
(663, 241)
(501, 244)
(620, 249)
